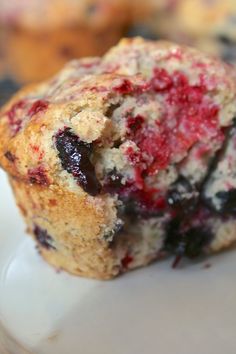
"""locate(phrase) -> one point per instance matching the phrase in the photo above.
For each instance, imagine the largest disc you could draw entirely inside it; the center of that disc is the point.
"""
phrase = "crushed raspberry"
(14, 119)
(133, 156)
(189, 117)
(16, 116)
(134, 124)
(38, 106)
(36, 150)
(124, 88)
(161, 80)
(146, 201)
(38, 175)
(126, 261)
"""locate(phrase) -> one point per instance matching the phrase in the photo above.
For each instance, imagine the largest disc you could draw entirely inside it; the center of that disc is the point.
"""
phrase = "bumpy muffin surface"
(116, 161)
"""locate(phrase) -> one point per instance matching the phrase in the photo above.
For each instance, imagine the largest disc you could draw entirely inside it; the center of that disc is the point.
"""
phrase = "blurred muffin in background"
(41, 35)
(144, 16)
(209, 25)
(2, 60)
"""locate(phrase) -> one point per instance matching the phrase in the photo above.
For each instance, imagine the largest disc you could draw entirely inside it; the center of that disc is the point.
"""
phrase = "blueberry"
(112, 183)
(227, 201)
(9, 155)
(188, 243)
(43, 238)
(75, 159)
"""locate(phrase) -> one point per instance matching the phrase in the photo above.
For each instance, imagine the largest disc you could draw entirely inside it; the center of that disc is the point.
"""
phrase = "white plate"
(148, 311)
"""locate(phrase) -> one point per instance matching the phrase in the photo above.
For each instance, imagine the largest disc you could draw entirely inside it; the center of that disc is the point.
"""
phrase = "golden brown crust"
(76, 221)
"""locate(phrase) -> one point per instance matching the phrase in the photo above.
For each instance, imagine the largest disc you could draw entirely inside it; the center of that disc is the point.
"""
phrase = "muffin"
(208, 25)
(121, 160)
(41, 36)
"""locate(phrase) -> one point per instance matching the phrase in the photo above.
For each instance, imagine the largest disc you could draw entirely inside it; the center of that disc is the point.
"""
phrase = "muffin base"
(79, 250)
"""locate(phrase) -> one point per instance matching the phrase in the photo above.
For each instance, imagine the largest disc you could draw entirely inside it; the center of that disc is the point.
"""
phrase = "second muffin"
(40, 35)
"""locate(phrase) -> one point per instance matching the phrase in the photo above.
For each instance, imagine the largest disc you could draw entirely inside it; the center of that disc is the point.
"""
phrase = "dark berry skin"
(190, 243)
(38, 175)
(10, 156)
(75, 159)
(227, 201)
(112, 183)
(43, 238)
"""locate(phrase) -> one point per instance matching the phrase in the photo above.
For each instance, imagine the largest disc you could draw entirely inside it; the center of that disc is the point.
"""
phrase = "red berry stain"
(52, 202)
(134, 124)
(37, 106)
(189, 117)
(38, 175)
(14, 118)
(161, 80)
(126, 261)
(36, 150)
(16, 114)
(124, 88)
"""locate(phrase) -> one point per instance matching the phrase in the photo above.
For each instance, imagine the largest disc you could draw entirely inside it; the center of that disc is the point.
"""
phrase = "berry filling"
(75, 159)
(188, 243)
(188, 120)
(189, 117)
(10, 156)
(126, 261)
(37, 106)
(17, 116)
(43, 238)
(14, 118)
(38, 175)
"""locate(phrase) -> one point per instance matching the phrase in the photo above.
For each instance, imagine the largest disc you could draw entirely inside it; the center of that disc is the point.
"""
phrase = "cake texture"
(121, 160)
(207, 25)
(40, 36)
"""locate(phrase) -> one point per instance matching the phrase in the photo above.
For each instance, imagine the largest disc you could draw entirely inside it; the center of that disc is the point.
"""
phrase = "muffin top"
(41, 14)
(142, 110)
